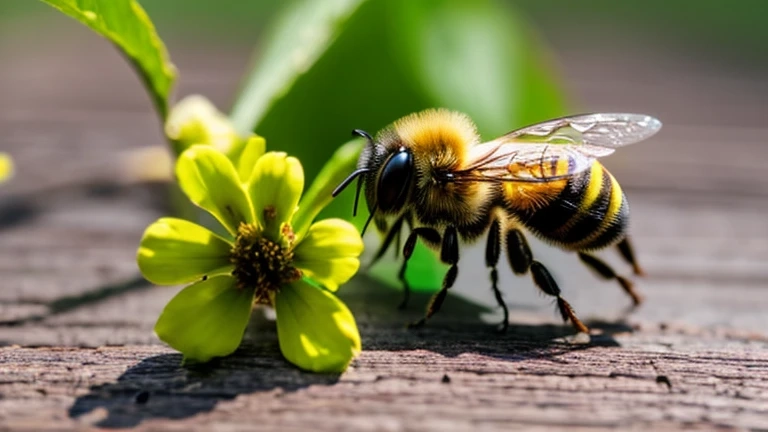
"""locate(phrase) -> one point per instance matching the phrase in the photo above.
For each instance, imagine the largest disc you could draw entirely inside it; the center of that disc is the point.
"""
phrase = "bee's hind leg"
(628, 253)
(449, 254)
(606, 272)
(492, 253)
(521, 260)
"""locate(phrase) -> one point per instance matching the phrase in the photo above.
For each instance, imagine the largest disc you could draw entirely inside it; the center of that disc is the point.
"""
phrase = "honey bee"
(431, 172)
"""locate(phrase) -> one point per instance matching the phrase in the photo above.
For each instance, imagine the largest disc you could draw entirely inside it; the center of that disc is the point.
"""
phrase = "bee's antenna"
(348, 180)
(356, 174)
(364, 134)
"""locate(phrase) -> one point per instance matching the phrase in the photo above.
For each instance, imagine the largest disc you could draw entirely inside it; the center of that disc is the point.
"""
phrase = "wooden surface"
(76, 318)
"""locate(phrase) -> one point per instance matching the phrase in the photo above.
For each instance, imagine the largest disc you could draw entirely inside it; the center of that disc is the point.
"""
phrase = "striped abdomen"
(590, 211)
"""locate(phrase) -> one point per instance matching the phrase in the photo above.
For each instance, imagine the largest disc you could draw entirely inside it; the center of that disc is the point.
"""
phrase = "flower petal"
(195, 120)
(210, 180)
(275, 188)
(315, 329)
(6, 167)
(329, 254)
(175, 251)
(206, 319)
(252, 150)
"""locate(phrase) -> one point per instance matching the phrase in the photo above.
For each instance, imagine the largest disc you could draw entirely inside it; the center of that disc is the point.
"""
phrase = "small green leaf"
(299, 37)
(175, 251)
(210, 181)
(341, 164)
(125, 24)
(6, 167)
(329, 254)
(275, 189)
(316, 331)
(206, 319)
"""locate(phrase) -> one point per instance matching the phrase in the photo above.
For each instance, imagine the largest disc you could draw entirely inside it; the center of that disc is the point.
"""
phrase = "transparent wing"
(605, 130)
(555, 149)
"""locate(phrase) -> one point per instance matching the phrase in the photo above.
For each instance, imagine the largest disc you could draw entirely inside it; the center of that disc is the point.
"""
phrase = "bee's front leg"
(392, 235)
(449, 254)
(430, 235)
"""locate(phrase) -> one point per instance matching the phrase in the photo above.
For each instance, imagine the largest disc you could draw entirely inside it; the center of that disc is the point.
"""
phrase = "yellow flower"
(6, 167)
(261, 260)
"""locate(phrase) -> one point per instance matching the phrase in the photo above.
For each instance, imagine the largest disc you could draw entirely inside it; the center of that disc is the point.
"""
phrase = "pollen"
(260, 263)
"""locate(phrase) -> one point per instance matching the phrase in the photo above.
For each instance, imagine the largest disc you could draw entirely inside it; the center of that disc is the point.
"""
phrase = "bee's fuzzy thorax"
(444, 135)
(440, 140)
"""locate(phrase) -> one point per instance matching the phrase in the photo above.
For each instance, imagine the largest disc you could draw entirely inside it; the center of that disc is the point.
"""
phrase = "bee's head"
(387, 190)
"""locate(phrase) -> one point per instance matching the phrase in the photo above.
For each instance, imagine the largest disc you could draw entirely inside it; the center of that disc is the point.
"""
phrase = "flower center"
(260, 263)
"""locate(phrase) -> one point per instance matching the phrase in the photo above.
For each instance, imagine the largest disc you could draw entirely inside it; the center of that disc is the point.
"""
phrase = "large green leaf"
(394, 57)
(125, 24)
(299, 37)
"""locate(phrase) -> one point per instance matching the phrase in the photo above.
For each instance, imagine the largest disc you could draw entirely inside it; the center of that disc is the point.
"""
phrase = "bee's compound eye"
(394, 181)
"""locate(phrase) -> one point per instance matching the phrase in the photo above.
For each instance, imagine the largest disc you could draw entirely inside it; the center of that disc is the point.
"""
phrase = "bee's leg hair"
(492, 253)
(606, 272)
(521, 260)
(449, 254)
(628, 253)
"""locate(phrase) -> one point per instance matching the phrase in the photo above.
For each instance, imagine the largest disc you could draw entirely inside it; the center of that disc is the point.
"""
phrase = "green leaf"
(206, 319)
(210, 181)
(329, 254)
(299, 37)
(316, 331)
(478, 57)
(175, 251)
(319, 194)
(125, 24)
(394, 57)
(6, 167)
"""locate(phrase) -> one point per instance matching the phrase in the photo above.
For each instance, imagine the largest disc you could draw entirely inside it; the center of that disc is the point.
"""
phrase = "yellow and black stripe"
(589, 212)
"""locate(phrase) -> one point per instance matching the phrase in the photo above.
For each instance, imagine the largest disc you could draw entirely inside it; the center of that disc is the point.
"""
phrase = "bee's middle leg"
(449, 254)
(521, 260)
(492, 253)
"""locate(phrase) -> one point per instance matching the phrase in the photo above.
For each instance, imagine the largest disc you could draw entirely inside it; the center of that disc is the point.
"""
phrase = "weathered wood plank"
(451, 379)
